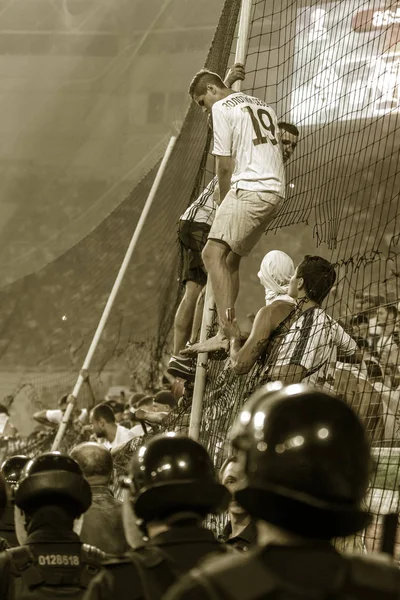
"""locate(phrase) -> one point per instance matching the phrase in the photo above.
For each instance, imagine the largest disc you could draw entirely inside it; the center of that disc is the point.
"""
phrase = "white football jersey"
(203, 209)
(246, 128)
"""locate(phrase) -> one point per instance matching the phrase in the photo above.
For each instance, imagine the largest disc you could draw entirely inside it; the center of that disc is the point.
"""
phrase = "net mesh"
(332, 68)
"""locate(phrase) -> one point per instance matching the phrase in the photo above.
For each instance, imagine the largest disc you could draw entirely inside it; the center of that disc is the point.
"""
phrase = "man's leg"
(215, 256)
(198, 317)
(184, 316)
(233, 264)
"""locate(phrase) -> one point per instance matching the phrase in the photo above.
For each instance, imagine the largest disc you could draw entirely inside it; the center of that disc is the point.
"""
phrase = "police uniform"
(305, 572)
(306, 458)
(173, 481)
(53, 562)
(53, 557)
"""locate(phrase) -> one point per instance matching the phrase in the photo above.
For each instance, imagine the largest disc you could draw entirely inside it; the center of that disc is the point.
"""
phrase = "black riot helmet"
(12, 468)
(53, 478)
(307, 461)
(171, 474)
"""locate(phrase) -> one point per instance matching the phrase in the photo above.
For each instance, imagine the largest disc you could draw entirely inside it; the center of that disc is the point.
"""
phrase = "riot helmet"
(307, 460)
(171, 474)
(53, 478)
(12, 468)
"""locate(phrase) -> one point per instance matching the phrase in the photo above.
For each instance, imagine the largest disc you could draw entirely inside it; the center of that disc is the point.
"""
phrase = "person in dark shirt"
(240, 531)
(171, 488)
(307, 460)
(102, 523)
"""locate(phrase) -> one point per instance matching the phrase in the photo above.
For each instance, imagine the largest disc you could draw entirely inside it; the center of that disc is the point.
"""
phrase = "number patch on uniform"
(58, 560)
(260, 126)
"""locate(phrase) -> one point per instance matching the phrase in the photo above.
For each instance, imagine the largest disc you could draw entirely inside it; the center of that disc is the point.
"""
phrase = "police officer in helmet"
(172, 487)
(50, 562)
(11, 468)
(307, 461)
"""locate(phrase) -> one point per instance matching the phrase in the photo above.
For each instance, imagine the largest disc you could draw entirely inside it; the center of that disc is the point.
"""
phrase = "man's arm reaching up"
(267, 320)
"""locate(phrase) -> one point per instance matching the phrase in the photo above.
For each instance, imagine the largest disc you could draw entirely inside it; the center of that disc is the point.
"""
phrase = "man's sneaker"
(180, 366)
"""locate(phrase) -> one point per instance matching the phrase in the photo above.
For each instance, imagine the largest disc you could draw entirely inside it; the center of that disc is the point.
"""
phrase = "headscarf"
(276, 270)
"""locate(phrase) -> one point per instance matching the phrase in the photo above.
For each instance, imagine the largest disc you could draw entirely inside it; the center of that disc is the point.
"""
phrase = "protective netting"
(331, 68)
(49, 316)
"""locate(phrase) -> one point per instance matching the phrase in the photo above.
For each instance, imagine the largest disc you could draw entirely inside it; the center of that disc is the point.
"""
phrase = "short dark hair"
(94, 459)
(143, 401)
(165, 397)
(318, 275)
(359, 319)
(202, 79)
(103, 411)
(289, 127)
(63, 400)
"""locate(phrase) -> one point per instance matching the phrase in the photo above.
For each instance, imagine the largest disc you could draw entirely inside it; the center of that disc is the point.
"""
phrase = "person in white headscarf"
(276, 270)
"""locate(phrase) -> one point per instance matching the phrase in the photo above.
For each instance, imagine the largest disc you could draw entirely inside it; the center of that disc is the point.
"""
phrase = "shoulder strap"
(91, 559)
(23, 565)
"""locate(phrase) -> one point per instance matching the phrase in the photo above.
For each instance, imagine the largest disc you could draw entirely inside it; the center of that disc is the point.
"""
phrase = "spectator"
(305, 348)
(275, 273)
(102, 523)
(240, 531)
(111, 435)
(52, 418)
(163, 403)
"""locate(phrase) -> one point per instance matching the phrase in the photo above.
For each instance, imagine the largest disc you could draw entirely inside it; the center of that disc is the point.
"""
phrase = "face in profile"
(288, 144)
(207, 100)
(234, 479)
(97, 426)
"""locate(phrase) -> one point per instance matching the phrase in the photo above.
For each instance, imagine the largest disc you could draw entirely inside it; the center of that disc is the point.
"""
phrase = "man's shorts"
(242, 218)
(193, 237)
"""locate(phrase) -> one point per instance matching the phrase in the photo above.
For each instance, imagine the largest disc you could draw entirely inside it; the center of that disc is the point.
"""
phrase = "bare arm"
(267, 320)
(41, 418)
(224, 173)
(234, 74)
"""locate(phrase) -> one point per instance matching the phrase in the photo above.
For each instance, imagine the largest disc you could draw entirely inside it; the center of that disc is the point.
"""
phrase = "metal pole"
(114, 292)
(243, 36)
(201, 368)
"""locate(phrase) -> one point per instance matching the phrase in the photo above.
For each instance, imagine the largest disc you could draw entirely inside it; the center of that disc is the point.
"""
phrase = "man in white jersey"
(252, 186)
(194, 227)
